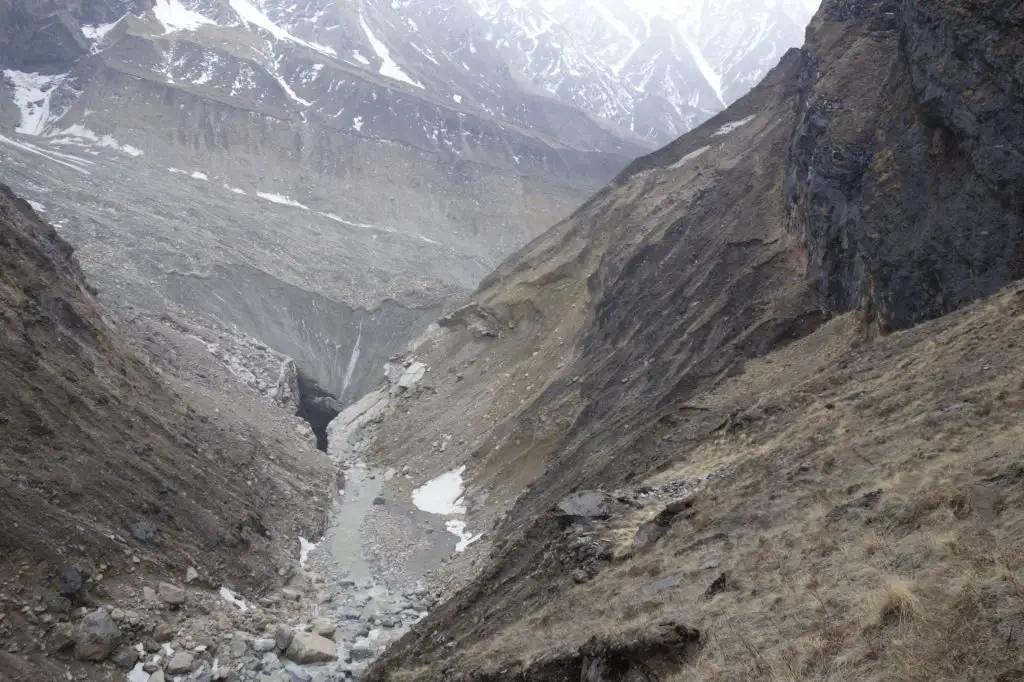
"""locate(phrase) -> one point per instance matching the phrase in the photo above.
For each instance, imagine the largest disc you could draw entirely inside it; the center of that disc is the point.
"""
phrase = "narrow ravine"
(386, 533)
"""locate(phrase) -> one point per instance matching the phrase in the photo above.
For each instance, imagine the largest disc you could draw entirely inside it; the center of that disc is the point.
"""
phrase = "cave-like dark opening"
(318, 407)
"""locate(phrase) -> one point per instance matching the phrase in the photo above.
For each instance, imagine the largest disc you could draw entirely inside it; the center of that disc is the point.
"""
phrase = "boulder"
(283, 636)
(97, 636)
(263, 644)
(363, 651)
(325, 627)
(62, 637)
(172, 595)
(309, 647)
(125, 657)
(191, 575)
(162, 632)
(72, 580)
(180, 663)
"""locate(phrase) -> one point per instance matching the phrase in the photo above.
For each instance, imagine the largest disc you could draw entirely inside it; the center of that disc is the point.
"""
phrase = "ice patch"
(32, 93)
(458, 529)
(232, 598)
(689, 157)
(176, 17)
(305, 547)
(388, 67)
(729, 127)
(442, 495)
(281, 199)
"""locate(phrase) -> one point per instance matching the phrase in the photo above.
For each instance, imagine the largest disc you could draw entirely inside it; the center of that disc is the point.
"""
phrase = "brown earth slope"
(106, 466)
(720, 318)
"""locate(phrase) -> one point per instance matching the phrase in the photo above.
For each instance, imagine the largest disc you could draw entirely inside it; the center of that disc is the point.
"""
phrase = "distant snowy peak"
(637, 68)
(656, 68)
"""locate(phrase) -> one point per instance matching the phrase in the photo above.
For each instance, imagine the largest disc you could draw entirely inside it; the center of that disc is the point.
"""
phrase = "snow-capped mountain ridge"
(655, 69)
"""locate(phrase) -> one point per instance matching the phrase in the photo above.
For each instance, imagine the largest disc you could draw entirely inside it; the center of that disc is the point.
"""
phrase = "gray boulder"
(283, 636)
(309, 647)
(180, 663)
(97, 636)
(171, 595)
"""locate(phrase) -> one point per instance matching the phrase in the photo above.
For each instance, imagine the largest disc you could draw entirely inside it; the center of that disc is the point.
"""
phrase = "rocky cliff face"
(711, 322)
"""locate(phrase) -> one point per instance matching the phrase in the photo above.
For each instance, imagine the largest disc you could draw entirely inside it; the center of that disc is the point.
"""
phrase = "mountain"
(325, 177)
(750, 412)
(321, 177)
(656, 70)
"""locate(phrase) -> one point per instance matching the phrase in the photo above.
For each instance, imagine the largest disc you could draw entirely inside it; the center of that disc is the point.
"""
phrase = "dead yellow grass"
(924, 581)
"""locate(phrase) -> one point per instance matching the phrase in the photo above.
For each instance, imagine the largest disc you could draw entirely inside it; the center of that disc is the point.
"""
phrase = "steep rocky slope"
(720, 319)
(120, 471)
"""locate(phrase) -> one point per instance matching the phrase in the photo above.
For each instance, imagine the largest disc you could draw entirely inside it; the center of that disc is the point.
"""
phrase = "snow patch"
(176, 17)
(198, 175)
(458, 529)
(729, 127)
(97, 32)
(442, 495)
(32, 93)
(388, 67)
(72, 162)
(352, 361)
(457, 98)
(357, 123)
(235, 190)
(281, 199)
(305, 547)
(36, 206)
(80, 132)
(713, 79)
(232, 598)
(689, 157)
(251, 14)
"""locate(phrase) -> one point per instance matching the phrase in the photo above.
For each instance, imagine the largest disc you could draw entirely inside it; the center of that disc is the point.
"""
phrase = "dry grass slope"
(865, 503)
